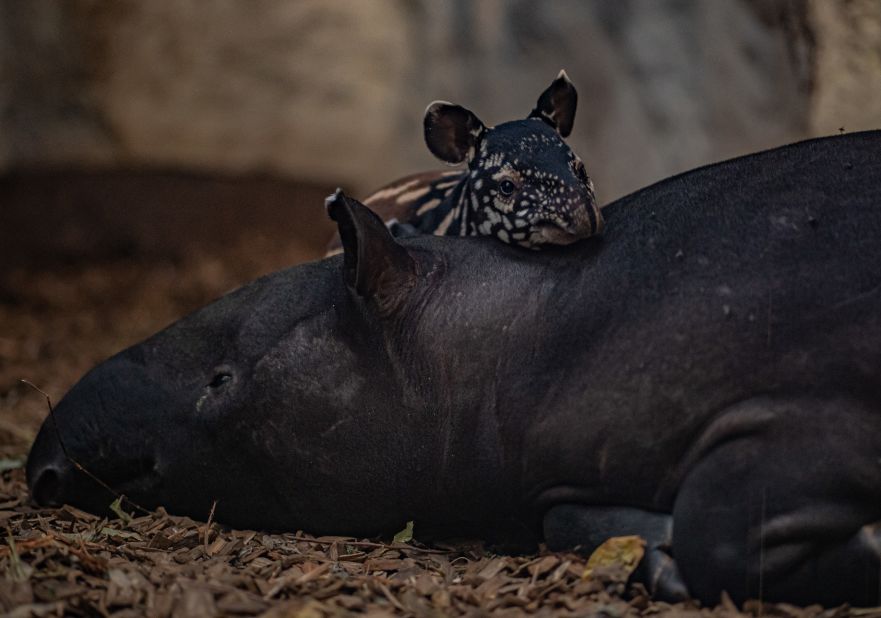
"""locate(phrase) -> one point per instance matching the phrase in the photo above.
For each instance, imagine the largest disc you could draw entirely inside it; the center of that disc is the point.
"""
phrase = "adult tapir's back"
(746, 263)
(746, 257)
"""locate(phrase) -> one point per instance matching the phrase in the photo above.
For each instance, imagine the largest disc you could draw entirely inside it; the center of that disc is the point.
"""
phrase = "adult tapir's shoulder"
(810, 171)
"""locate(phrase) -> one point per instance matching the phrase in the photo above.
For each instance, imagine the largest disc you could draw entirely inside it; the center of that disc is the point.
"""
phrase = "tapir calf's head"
(526, 185)
(270, 400)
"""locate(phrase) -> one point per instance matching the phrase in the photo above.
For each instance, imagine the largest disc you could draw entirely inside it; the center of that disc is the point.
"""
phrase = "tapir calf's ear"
(375, 266)
(556, 105)
(452, 132)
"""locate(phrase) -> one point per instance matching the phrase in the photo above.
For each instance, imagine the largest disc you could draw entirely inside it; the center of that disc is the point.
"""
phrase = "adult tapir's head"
(526, 185)
(289, 400)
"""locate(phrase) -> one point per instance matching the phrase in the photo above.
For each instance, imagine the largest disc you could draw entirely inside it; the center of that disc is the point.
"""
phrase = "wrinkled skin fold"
(707, 375)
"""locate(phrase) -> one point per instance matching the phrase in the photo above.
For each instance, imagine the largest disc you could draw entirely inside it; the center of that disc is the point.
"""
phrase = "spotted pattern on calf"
(522, 185)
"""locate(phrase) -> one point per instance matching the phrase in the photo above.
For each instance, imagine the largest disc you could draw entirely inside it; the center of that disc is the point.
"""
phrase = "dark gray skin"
(707, 375)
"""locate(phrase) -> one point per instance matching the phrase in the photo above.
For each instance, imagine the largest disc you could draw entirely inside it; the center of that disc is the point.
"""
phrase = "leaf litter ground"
(56, 323)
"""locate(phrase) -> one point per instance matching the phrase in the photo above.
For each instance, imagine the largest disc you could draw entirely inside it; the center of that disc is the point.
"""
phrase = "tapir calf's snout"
(592, 214)
(584, 218)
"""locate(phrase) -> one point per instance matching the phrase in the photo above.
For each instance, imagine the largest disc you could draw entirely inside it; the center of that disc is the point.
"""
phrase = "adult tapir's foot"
(777, 504)
(584, 528)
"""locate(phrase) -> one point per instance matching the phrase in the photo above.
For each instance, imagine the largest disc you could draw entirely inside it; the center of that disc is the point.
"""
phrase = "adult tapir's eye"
(220, 379)
(507, 187)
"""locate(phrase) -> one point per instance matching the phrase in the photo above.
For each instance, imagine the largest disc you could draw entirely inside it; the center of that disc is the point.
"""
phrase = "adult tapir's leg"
(584, 528)
(777, 505)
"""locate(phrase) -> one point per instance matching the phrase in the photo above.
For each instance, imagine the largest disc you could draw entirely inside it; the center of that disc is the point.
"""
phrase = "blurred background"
(115, 111)
(155, 154)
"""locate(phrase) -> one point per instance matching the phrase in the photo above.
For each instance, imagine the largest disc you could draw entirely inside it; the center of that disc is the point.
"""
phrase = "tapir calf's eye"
(507, 187)
(219, 380)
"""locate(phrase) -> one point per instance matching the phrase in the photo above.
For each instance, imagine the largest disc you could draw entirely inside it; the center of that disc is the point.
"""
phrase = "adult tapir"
(710, 369)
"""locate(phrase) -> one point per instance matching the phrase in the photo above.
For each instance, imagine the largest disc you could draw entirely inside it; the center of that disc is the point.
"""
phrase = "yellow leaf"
(405, 535)
(618, 553)
(116, 507)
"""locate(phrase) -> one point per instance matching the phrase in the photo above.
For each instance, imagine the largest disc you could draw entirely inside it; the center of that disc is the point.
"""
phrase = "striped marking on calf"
(445, 223)
(390, 192)
(429, 205)
(412, 196)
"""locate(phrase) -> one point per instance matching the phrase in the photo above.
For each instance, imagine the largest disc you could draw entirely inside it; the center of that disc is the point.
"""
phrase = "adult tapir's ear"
(374, 265)
(556, 105)
(452, 132)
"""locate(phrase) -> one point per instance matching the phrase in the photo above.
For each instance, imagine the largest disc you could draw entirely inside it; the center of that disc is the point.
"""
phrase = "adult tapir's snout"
(97, 433)
(48, 470)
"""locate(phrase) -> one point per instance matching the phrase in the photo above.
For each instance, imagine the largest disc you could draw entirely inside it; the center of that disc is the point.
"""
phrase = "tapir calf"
(522, 185)
(707, 375)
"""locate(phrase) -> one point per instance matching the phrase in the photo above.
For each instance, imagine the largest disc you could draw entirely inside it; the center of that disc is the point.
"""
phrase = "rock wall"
(334, 90)
(848, 67)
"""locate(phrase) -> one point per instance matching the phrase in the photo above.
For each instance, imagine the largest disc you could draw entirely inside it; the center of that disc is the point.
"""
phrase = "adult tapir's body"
(716, 357)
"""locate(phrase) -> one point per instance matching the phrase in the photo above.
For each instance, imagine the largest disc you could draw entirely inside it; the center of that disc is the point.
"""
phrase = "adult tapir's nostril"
(48, 471)
(46, 487)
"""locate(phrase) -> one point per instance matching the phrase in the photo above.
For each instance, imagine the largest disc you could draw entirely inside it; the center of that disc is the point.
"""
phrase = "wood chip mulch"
(65, 562)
